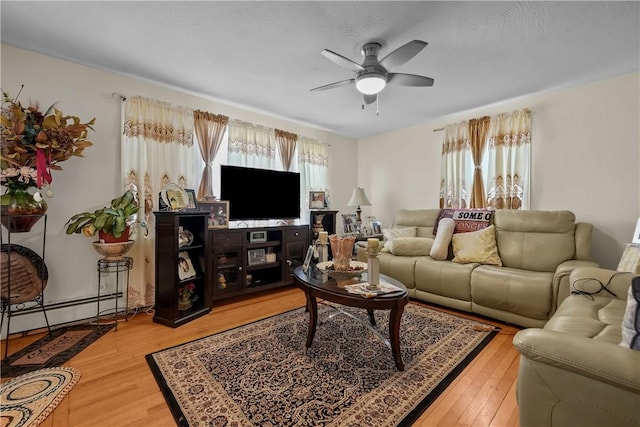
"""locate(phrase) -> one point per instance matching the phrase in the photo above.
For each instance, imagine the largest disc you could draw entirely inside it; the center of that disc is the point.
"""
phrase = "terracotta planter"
(109, 238)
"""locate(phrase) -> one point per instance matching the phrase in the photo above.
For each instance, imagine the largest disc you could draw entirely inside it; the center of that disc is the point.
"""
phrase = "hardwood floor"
(118, 389)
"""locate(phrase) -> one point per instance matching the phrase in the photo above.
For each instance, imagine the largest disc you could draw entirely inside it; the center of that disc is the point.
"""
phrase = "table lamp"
(358, 198)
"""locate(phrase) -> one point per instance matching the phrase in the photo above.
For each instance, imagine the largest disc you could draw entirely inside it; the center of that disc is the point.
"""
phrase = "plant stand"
(121, 268)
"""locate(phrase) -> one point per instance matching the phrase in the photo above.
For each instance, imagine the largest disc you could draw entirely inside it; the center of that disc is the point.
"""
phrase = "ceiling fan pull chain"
(377, 105)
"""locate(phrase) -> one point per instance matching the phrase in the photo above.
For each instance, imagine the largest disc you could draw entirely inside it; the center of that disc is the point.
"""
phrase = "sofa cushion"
(535, 240)
(596, 317)
(466, 220)
(440, 248)
(410, 246)
(444, 278)
(476, 246)
(525, 293)
(423, 219)
(631, 319)
(391, 233)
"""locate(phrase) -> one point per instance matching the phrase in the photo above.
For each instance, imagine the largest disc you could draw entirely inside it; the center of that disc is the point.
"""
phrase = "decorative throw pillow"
(631, 319)
(467, 220)
(440, 248)
(391, 233)
(411, 246)
(476, 246)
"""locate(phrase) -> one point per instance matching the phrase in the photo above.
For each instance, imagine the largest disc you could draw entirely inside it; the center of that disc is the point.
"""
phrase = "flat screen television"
(260, 193)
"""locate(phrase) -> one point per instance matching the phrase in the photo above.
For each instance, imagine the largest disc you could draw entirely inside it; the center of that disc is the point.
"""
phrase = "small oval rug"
(27, 400)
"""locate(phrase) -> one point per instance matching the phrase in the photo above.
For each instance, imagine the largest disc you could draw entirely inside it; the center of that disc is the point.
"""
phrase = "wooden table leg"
(394, 334)
(312, 307)
(372, 319)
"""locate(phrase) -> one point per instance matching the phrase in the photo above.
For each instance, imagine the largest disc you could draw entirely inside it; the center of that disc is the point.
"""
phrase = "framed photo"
(174, 197)
(636, 233)
(218, 213)
(307, 259)
(376, 226)
(256, 256)
(192, 203)
(349, 223)
(185, 267)
(317, 200)
(257, 236)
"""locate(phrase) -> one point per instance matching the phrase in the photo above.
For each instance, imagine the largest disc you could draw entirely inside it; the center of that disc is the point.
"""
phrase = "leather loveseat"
(538, 250)
(573, 371)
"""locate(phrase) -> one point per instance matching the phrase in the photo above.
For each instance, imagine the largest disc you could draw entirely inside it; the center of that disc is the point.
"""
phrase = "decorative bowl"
(112, 251)
(356, 268)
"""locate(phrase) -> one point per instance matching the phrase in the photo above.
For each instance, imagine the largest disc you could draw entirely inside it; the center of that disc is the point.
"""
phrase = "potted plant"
(112, 222)
(33, 144)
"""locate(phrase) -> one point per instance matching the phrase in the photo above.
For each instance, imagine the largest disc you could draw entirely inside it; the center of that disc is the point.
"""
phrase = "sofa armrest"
(591, 280)
(600, 361)
(561, 278)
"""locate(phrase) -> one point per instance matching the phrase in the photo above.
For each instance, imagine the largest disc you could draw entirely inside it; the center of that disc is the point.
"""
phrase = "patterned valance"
(158, 121)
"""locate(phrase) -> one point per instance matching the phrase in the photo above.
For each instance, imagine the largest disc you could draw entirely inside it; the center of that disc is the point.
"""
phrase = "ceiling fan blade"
(333, 85)
(403, 54)
(341, 60)
(402, 79)
(370, 99)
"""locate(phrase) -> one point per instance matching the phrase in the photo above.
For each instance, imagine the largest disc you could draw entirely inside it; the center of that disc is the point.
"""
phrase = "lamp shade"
(359, 198)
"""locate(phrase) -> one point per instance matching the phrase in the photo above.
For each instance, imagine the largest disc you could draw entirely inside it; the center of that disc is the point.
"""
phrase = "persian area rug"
(261, 375)
(27, 400)
(53, 350)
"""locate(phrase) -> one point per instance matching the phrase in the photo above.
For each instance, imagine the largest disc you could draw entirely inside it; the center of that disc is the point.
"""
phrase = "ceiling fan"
(373, 75)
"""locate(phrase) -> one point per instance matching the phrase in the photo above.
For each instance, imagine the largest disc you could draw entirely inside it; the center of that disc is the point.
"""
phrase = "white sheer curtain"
(456, 169)
(251, 145)
(509, 158)
(157, 149)
(313, 164)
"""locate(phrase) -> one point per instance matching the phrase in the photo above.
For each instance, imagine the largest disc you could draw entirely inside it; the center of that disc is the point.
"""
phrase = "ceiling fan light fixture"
(370, 83)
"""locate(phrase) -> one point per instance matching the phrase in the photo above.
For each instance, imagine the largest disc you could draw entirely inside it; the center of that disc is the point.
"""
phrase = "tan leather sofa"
(538, 249)
(572, 371)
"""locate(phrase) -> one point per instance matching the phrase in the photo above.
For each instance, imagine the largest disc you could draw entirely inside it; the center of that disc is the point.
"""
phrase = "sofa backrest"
(536, 240)
(424, 219)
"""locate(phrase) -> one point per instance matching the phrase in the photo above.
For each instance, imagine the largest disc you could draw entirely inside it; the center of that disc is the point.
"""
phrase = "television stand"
(241, 263)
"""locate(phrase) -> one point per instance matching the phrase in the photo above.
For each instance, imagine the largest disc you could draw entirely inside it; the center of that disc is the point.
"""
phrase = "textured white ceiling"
(266, 55)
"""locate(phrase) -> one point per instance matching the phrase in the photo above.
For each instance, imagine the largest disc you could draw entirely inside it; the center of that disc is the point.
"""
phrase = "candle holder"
(373, 264)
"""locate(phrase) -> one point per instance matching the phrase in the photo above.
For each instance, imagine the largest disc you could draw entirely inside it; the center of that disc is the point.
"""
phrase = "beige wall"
(585, 156)
(89, 183)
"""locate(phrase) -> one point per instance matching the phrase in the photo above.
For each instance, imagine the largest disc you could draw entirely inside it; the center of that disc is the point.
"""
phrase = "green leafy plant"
(113, 219)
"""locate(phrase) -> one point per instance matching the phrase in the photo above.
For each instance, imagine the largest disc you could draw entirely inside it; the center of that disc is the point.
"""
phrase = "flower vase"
(20, 210)
(184, 304)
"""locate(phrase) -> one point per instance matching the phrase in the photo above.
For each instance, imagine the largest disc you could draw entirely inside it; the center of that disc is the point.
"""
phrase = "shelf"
(263, 265)
(269, 244)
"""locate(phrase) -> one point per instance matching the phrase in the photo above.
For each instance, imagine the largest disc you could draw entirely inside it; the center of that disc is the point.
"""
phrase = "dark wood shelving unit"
(168, 282)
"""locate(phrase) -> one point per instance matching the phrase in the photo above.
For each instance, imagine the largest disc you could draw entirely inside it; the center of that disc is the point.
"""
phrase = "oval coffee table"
(315, 285)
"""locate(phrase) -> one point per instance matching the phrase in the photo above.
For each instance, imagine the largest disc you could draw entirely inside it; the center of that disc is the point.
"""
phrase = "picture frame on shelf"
(376, 226)
(175, 197)
(307, 258)
(636, 234)
(317, 200)
(256, 256)
(192, 202)
(218, 213)
(185, 266)
(349, 223)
